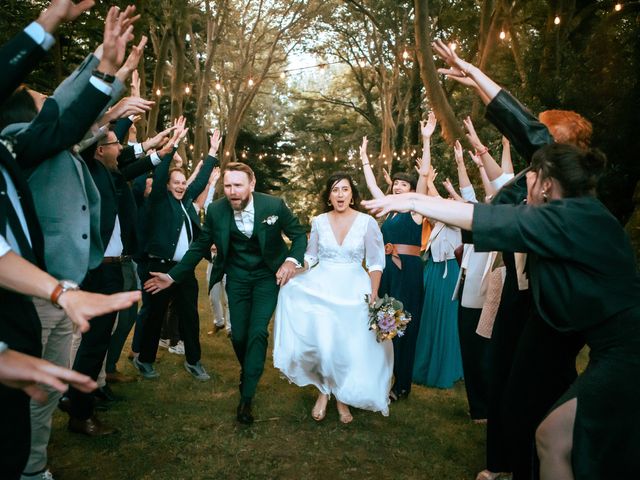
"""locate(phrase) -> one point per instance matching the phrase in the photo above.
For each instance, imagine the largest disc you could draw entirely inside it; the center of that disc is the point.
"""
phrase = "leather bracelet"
(105, 77)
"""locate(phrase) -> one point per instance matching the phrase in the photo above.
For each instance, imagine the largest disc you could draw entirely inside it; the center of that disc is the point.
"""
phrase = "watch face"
(69, 285)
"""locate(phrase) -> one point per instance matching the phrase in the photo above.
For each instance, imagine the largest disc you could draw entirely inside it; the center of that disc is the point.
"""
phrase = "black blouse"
(581, 267)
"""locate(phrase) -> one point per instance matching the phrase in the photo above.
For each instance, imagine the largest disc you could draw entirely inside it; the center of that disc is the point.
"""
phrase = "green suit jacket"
(272, 219)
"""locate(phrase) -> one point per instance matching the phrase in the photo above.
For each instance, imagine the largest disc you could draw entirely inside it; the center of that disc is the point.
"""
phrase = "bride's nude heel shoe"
(318, 414)
(345, 417)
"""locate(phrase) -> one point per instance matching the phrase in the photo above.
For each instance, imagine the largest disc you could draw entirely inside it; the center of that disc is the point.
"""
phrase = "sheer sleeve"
(311, 255)
(374, 246)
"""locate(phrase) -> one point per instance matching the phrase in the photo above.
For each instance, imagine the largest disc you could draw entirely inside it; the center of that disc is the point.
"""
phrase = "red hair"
(569, 127)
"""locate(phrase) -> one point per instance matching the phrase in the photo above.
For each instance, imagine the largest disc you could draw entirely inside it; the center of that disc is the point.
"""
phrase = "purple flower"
(386, 323)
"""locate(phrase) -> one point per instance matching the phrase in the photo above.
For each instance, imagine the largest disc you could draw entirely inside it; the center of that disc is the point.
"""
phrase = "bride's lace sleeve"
(311, 255)
(374, 246)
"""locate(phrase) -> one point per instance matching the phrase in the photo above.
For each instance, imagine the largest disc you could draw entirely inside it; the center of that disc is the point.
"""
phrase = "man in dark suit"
(246, 229)
(172, 225)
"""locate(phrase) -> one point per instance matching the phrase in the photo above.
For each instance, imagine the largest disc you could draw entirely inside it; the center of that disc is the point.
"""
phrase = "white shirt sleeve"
(499, 182)
(101, 85)
(138, 150)
(374, 246)
(40, 35)
(4, 246)
(311, 255)
(155, 159)
(469, 194)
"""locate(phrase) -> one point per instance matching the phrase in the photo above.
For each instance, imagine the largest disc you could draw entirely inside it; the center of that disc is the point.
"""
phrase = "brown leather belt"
(397, 249)
(120, 259)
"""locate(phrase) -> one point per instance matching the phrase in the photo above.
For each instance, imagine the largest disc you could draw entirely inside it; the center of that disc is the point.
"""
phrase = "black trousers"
(184, 298)
(475, 361)
(171, 325)
(404, 352)
(107, 279)
(20, 328)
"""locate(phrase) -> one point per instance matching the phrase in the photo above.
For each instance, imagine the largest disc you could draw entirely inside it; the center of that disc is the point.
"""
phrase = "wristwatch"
(3, 347)
(63, 286)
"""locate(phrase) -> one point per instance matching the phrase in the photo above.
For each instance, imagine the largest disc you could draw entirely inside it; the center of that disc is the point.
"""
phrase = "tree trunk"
(437, 99)
(158, 76)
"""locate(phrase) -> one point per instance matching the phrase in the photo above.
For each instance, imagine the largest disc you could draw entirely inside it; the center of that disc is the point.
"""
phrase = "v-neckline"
(335, 238)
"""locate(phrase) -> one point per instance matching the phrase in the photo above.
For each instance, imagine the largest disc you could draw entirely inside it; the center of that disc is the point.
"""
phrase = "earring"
(328, 204)
(352, 202)
(545, 197)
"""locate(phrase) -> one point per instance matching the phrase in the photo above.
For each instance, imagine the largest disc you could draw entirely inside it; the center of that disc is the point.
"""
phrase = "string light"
(226, 153)
(405, 54)
(556, 20)
(618, 7)
(191, 147)
(453, 46)
(250, 82)
(158, 92)
(283, 75)
(187, 90)
(503, 35)
(218, 86)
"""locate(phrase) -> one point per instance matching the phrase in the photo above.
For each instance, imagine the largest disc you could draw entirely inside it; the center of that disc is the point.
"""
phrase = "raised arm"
(489, 189)
(490, 165)
(369, 176)
(506, 163)
(424, 166)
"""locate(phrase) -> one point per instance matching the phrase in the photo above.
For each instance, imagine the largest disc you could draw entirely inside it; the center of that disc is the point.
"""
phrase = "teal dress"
(438, 360)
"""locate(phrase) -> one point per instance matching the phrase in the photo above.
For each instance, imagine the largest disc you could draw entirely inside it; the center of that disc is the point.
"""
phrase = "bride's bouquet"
(387, 317)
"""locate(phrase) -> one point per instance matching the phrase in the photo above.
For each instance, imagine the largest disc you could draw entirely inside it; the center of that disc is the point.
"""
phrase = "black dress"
(583, 278)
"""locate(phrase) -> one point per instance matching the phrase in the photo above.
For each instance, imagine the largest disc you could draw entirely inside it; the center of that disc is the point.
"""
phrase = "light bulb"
(158, 92)
(283, 75)
(618, 7)
(218, 86)
(503, 35)
(250, 82)
(405, 54)
(453, 46)
(187, 90)
(556, 20)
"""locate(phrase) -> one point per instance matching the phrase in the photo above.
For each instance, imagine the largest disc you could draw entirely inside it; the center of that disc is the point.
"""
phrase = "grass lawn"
(175, 427)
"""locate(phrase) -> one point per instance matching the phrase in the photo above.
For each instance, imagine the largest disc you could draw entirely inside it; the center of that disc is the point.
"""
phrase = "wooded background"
(226, 63)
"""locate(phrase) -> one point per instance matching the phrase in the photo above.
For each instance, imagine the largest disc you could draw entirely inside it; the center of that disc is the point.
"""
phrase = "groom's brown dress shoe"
(91, 427)
(244, 415)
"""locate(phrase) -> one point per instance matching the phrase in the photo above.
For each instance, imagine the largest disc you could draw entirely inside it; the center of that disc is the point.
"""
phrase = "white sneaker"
(164, 343)
(46, 475)
(178, 348)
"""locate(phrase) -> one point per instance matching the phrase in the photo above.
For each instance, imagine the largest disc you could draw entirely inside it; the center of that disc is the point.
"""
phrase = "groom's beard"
(238, 207)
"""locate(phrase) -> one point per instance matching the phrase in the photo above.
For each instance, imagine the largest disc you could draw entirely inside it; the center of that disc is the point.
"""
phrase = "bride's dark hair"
(331, 182)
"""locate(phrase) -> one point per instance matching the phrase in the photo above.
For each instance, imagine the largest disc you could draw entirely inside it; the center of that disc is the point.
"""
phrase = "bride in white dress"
(321, 332)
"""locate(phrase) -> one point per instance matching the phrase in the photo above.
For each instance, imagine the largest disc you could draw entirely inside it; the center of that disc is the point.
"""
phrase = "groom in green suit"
(243, 234)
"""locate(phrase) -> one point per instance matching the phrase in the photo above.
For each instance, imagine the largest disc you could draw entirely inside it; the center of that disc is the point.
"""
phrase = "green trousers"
(252, 301)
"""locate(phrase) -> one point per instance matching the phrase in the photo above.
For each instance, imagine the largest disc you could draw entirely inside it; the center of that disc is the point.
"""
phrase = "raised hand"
(158, 282)
(476, 159)
(81, 306)
(215, 176)
(387, 177)
(363, 151)
(458, 68)
(214, 142)
(158, 140)
(429, 126)
(25, 372)
(129, 106)
(131, 64)
(62, 11)
(472, 136)
(135, 84)
(452, 191)
(114, 41)
(458, 153)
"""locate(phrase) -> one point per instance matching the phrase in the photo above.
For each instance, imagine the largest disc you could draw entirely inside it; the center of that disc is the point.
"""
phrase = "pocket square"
(270, 220)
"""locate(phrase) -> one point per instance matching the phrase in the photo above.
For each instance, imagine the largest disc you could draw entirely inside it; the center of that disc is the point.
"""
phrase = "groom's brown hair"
(240, 167)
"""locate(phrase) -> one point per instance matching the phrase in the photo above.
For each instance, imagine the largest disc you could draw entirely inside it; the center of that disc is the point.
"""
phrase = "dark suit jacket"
(165, 214)
(216, 231)
(17, 57)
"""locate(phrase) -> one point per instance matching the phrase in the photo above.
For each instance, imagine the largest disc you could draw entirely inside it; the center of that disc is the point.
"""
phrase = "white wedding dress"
(321, 330)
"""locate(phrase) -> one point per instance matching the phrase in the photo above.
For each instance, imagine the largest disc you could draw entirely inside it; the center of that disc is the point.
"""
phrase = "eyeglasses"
(109, 143)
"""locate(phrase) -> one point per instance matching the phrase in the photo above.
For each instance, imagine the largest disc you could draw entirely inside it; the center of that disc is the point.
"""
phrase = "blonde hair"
(240, 167)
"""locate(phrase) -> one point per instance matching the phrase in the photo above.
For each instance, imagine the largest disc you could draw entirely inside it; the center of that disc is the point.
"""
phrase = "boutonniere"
(270, 220)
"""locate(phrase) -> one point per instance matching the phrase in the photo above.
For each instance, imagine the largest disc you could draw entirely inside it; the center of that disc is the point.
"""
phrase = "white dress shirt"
(244, 218)
(115, 248)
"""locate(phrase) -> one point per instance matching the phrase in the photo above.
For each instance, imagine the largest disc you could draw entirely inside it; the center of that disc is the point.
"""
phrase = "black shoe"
(395, 396)
(244, 415)
(64, 404)
(105, 394)
(91, 427)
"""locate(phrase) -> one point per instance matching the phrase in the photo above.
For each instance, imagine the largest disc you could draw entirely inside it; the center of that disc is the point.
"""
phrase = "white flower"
(270, 220)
